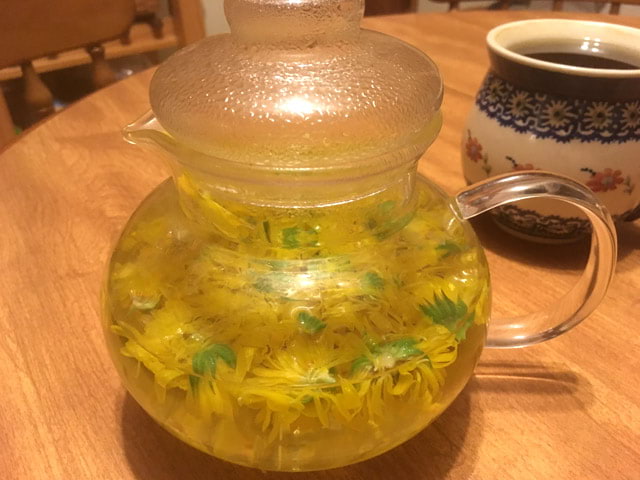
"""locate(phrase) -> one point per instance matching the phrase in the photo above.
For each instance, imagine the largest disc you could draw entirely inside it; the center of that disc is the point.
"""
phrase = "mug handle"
(585, 296)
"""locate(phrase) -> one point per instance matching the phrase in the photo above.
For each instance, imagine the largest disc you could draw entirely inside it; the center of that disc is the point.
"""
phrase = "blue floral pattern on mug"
(559, 118)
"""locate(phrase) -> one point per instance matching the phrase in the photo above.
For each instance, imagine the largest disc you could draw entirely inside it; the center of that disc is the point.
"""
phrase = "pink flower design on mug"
(604, 181)
(525, 166)
(518, 167)
(473, 148)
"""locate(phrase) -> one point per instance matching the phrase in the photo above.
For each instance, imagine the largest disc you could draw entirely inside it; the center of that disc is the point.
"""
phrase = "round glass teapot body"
(296, 338)
(298, 298)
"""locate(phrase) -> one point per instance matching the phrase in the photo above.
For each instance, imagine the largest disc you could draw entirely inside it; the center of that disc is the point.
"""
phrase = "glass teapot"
(298, 297)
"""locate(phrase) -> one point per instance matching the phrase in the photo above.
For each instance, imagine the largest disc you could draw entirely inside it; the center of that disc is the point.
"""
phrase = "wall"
(214, 17)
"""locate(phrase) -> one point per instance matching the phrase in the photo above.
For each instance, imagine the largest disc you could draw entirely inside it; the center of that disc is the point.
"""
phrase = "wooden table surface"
(562, 410)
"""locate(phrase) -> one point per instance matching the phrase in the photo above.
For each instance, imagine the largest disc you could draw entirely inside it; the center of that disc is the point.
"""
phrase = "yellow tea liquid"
(295, 338)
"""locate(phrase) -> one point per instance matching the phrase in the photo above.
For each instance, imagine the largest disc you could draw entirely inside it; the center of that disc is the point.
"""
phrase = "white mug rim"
(494, 44)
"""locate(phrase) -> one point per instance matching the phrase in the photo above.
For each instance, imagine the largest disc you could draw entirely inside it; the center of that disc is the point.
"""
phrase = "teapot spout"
(147, 130)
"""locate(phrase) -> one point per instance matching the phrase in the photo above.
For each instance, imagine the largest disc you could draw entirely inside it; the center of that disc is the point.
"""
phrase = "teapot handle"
(585, 296)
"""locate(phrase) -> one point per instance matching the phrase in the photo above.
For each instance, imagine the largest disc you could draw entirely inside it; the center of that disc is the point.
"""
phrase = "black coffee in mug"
(582, 60)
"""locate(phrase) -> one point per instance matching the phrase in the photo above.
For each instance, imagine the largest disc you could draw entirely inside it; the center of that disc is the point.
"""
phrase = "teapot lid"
(298, 85)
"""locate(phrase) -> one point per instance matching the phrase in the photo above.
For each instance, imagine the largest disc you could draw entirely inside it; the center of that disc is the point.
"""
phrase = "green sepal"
(290, 237)
(266, 226)
(373, 281)
(361, 364)
(450, 314)
(400, 349)
(309, 323)
(448, 248)
(205, 361)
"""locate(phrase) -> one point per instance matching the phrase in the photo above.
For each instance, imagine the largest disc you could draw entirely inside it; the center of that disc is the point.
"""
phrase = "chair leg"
(125, 38)
(101, 73)
(6, 123)
(37, 95)
(156, 25)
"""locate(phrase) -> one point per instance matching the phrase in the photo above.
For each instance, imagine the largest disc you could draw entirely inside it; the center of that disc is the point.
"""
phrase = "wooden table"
(566, 409)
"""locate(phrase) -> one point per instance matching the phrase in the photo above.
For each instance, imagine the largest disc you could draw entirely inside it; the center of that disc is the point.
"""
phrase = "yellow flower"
(202, 207)
(359, 273)
(303, 362)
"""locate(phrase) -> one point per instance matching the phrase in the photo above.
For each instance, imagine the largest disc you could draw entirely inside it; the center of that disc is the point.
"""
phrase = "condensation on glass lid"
(294, 96)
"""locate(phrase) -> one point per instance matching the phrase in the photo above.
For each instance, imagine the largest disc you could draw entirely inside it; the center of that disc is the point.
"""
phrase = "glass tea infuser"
(298, 297)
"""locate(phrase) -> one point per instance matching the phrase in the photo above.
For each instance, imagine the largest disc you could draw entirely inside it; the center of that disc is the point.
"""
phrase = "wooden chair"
(38, 28)
(185, 24)
(614, 7)
(386, 7)
(455, 4)
(46, 35)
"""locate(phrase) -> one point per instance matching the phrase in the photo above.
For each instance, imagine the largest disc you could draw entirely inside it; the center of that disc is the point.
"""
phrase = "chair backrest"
(37, 28)
(188, 20)
(386, 7)
(32, 29)
(614, 7)
(558, 5)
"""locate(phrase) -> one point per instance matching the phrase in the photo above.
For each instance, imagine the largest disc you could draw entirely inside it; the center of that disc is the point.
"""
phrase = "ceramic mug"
(562, 96)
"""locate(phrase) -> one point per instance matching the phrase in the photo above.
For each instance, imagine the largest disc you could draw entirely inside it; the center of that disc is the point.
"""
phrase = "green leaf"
(444, 311)
(205, 361)
(373, 281)
(309, 323)
(448, 248)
